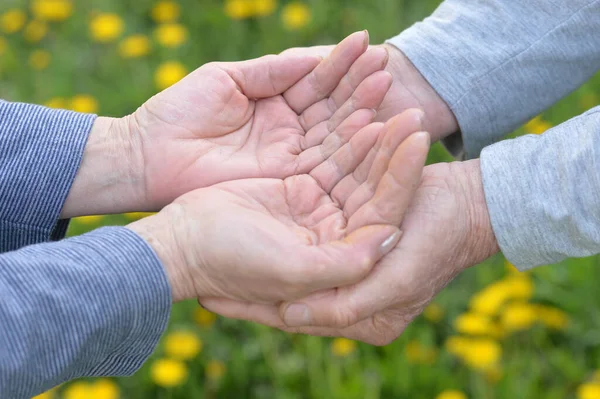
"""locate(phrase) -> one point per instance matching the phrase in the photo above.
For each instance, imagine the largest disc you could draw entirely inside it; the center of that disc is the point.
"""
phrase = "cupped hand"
(409, 90)
(274, 116)
(269, 240)
(445, 230)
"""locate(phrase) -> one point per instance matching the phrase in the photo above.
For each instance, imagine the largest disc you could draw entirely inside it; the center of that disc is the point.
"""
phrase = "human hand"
(409, 90)
(445, 230)
(269, 240)
(275, 116)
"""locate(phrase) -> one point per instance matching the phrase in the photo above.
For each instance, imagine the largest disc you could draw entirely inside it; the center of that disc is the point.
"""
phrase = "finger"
(347, 158)
(347, 306)
(397, 186)
(319, 83)
(269, 75)
(344, 262)
(369, 94)
(396, 130)
(372, 61)
(321, 144)
(367, 330)
(320, 51)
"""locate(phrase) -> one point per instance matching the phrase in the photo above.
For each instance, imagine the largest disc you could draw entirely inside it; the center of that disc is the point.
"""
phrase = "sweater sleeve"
(41, 150)
(498, 63)
(93, 305)
(542, 192)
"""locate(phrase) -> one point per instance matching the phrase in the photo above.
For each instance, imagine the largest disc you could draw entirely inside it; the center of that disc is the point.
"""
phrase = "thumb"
(270, 75)
(349, 260)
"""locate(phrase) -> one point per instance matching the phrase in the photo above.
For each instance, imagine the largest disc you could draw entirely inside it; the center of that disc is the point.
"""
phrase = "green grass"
(264, 363)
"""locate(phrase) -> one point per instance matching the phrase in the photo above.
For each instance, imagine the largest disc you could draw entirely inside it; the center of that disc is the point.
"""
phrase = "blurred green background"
(493, 333)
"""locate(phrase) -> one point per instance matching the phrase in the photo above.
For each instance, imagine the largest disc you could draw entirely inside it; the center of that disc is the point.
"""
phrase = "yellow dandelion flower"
(588, 391)
(12, 20)
(342, 347)
(35, 31)
(518, 316)
(204, 318)
(104, 389)
(451, 394)
(552, 317)
(171, 35)
(416, 353)
(3, 45)
(264, 7)
(239, 9)
(215, 370)
(519, 286)
(482, 353)
(133, 216)
(165, 11)
(489, 300)
(168, 74)
(89, 220)
(457, 345)
(475, 324)
(46, 395)
(39, 59)
(295, 15)
(52, 10)
(78, 390)
(434, 313)
(134, 46)
(106, 27)
(56, 102)
(537, 125)
(84, 103)
(182, 345)
(168, 372)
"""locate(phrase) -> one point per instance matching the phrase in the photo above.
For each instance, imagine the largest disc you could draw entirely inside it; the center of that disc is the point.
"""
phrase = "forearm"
(86, 306)
(542, 192)
(498, 64)
(108, 179)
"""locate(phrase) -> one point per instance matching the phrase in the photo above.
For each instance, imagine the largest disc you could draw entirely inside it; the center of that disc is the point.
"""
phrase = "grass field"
(492, 334)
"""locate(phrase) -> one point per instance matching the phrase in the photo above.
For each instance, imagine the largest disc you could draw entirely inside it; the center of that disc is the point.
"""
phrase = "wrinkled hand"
(409, 90)
(269, 240)
(275, 116)
(445, 230)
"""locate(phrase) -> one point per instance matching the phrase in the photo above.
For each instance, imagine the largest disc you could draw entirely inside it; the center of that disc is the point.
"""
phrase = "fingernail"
(390, 242)
(297, 315)
(424, 136)
(374, 111)
(366, 37)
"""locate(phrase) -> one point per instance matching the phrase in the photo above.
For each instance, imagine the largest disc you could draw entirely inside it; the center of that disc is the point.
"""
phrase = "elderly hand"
(274, 116)
(445, 230)
(409, 90)
(269, 240)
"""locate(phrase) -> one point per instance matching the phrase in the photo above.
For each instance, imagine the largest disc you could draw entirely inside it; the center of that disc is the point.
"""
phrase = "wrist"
(108, 179)
(480, 241)
(410, 89)
(157, 231)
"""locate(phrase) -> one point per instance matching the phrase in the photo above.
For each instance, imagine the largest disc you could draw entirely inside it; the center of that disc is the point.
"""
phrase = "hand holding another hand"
(270, 240)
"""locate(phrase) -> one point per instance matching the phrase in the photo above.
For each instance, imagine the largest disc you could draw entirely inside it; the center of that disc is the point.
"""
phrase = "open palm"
(272, 240)
(275, 116)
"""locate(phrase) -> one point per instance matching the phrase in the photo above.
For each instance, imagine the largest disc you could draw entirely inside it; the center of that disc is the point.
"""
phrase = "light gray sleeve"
(498, 63)
(543, 191)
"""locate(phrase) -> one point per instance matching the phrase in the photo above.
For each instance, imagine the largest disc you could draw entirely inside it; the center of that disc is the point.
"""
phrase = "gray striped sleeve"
(40, 153)
(497, 63)
(86, 306)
